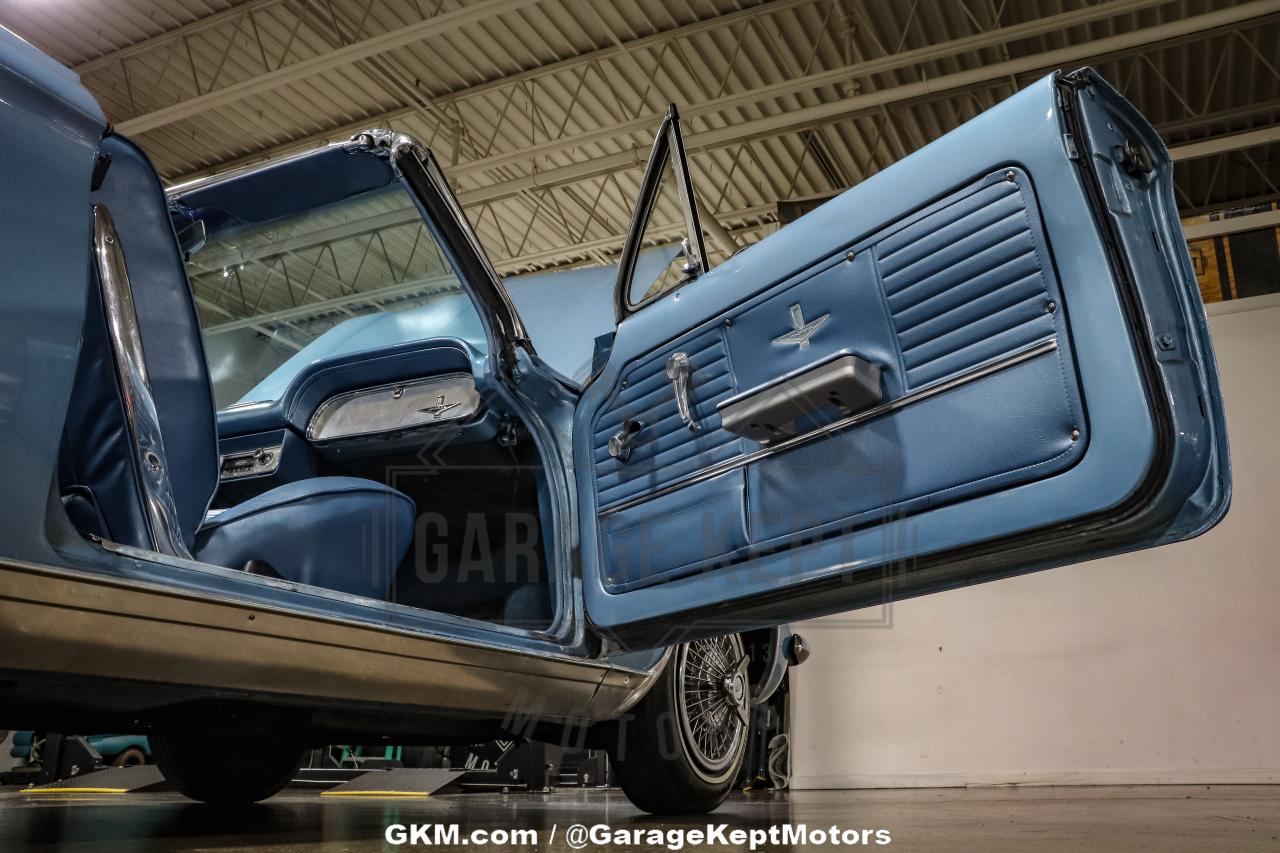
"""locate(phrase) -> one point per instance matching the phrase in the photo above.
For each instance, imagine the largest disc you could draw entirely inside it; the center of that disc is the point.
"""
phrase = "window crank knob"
(621, 441)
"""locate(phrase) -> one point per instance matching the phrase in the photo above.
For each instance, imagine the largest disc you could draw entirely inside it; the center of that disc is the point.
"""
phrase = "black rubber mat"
(113, 780)
(405, 782)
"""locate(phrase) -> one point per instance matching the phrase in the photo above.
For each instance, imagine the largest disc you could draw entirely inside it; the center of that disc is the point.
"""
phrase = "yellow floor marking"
(373, 794)
(74, 791)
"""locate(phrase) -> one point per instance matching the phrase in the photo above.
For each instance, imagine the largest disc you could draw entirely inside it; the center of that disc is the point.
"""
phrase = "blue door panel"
(665, 449)
(972, 269)
(1029, 419)
(970, 280)
(935, 451)
(845, 289)
(667, 535)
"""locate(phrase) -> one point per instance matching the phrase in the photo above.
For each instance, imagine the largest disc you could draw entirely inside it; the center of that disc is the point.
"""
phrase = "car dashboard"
(369, 403)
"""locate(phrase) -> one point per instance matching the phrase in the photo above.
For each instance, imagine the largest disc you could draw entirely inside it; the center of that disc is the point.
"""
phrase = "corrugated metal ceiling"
(543, 110)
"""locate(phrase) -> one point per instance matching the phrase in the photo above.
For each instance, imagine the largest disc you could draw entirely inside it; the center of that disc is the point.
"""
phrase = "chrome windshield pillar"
(141, 418)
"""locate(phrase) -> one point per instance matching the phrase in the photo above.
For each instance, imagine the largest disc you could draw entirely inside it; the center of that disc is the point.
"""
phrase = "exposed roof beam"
(1228, 142)
(1229, 205)
(1218, 118)
(879, 65)
(287, 74)
(302, 242)
(719, 235)
(800, 119)
(164, 38)
(259, 322)
(615, 241)
(1232, 225)
(392, 219)
(344, 131)
(206, 303)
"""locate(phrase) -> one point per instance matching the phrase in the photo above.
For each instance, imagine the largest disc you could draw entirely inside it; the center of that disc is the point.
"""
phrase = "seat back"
(99, 479)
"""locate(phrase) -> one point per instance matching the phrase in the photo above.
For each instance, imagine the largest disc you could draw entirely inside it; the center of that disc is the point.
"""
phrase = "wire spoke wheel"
(712, 701)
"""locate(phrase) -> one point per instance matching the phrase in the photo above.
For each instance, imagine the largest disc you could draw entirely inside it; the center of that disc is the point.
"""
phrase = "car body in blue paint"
(537, 508)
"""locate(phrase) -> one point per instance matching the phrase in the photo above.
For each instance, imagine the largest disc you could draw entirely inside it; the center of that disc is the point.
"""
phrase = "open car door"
(988, 359)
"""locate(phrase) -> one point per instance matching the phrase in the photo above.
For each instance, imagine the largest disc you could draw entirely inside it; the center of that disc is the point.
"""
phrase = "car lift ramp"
(401, 782)
(112, 780)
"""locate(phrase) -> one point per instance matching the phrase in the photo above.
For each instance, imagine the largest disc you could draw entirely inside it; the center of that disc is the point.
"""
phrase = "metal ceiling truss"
(546, 160)
(527, 134)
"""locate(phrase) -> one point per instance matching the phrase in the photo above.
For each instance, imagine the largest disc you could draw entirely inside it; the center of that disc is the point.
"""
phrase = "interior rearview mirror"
(191, 239)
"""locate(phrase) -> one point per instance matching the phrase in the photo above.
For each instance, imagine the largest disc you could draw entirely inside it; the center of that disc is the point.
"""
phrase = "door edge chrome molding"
(141, 418)
(924, 392)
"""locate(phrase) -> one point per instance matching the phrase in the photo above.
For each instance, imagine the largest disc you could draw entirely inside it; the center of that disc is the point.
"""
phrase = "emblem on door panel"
(801, 331)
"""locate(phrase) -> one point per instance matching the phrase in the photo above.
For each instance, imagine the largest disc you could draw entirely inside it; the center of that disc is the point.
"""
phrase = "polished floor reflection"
(1166, 818)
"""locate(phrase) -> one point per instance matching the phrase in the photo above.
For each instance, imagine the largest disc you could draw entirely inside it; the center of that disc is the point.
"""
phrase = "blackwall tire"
(682, 747)
(224, 769)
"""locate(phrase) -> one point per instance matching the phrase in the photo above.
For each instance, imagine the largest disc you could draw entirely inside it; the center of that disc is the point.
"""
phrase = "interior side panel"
(935, 299)
(969, 281)
(706, 518)
(965, 283)
(483, 544)
(665, 449)
(906, 463)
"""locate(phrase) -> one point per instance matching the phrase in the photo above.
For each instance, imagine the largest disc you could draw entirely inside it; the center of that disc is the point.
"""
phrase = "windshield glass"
(358, 274)
(278, 289)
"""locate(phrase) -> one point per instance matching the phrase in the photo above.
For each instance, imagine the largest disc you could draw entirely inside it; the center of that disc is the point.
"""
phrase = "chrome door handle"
(679, 371)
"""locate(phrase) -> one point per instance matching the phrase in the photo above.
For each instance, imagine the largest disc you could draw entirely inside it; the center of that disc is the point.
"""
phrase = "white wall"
(1160, 666)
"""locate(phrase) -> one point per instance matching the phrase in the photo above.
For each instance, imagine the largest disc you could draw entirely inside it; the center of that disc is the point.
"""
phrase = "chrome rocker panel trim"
(67, 622)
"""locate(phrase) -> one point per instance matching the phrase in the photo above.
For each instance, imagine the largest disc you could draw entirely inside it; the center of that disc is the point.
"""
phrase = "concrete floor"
(1164, 818)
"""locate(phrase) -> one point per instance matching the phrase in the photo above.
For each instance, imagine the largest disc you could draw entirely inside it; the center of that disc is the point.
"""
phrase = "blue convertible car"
(487, 514)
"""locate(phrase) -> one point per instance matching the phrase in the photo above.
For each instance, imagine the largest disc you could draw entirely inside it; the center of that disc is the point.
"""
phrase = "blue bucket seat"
(341, 533)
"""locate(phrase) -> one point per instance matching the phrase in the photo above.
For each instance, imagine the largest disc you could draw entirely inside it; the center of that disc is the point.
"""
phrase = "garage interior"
(1122, 703)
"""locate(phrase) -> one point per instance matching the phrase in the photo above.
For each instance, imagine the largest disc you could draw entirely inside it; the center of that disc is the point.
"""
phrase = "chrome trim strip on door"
(923, 393)
(141, 419)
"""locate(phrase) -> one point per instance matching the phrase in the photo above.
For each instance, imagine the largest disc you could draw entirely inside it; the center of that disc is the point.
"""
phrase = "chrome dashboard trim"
(262, 461)
(922, 393)
(396, 406)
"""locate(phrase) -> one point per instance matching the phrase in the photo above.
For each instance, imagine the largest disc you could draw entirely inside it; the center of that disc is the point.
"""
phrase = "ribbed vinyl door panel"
(956, 285)
(966, 283)
(666, 449)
